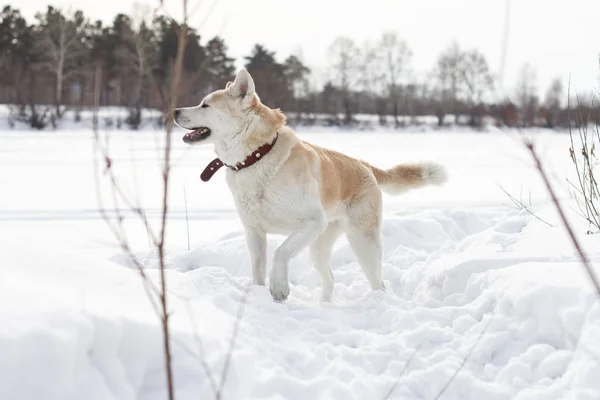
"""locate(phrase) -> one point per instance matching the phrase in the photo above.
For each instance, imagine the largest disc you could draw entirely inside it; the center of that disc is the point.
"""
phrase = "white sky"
(557, 37)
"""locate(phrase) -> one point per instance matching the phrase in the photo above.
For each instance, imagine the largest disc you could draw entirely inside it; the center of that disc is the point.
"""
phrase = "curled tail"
(404, 177)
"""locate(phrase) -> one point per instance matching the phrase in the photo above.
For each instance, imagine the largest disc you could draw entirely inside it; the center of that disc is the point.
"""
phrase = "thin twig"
(464, 361)
(147, 228)
(524, 207)
(207, 371)
(232, 341)
(406, 365)
(187, 221)
(118, 190)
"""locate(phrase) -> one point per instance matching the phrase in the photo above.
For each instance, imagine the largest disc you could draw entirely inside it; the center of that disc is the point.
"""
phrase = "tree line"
(55, 63)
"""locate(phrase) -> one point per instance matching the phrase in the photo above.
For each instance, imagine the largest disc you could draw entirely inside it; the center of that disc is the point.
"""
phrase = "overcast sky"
(557, 37)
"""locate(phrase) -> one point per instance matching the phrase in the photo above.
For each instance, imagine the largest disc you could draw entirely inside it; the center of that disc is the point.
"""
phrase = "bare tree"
(438, 90)
(371, 80)
(396, 56)
(552, 102)
(526, 95)
(345, 65)
(296, 76)
(478, 82)
(449, 76)
(60, 45)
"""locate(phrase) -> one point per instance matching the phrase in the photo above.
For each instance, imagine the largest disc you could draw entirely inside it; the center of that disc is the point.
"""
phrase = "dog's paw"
(259, 281)
(325, 298)
(326, 294)
(280, 290)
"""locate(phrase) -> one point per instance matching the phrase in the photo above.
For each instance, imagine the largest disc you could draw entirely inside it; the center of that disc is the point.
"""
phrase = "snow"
(470, 280)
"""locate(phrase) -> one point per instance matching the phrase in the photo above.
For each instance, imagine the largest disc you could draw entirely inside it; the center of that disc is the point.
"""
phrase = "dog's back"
(307, 192)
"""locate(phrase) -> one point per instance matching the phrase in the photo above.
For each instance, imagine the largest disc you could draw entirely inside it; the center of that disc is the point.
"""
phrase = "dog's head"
(227, 113)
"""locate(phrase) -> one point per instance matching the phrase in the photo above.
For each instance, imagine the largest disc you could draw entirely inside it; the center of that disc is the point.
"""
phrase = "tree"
(269, 76)
(101, 56)
(330, 102)
(51, 64)
(371, 80)
(15, 54)
(449, 78)
(439, 92)
(20, 69)
(526, 95)
(84, 66)
(345, 67)
(194, 61)
(59, 45)
(478, 82)
(395, 56)
(125, 70)
(296, 76)
(146, 56)
(552, 102)
(220, 67)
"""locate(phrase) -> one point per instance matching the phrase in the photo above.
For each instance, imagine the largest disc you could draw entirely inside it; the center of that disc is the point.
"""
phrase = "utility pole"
(504, 49)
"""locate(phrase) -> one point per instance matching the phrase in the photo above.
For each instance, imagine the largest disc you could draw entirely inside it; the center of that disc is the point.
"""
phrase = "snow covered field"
(470, 280)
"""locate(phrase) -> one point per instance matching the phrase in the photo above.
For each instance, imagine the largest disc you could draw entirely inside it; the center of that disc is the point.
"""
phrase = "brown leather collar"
(256, 155)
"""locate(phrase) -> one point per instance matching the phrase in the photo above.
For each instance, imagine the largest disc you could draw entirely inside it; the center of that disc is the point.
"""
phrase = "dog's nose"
(176, 113)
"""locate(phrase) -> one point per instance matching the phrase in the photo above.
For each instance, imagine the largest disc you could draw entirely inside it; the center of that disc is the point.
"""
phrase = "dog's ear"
(228, 84)
(243, 86)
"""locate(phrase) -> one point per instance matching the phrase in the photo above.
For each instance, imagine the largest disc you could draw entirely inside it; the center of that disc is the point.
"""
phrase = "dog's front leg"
(311, 228)
(257, 244)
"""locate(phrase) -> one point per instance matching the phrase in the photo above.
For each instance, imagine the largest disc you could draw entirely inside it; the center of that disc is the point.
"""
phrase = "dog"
(284, 185)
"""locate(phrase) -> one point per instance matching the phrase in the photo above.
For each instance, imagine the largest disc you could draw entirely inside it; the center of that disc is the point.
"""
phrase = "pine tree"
(269, 76)
(220, 67)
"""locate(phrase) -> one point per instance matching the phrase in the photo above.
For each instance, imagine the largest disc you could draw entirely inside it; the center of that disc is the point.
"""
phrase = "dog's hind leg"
(311, 228)
(364, 235)
(257, 244)
(320, 254)
(367, 248)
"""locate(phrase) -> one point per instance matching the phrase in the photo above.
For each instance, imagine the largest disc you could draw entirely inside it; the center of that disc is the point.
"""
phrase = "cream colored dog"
(283, 185)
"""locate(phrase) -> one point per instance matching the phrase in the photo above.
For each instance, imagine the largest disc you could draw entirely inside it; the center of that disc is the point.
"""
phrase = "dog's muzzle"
(196, 135)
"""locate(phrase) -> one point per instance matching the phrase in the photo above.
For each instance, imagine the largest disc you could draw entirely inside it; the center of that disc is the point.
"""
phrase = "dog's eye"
(204, 105)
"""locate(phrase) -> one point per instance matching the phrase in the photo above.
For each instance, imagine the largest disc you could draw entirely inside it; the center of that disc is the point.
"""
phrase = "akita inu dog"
(283, 185)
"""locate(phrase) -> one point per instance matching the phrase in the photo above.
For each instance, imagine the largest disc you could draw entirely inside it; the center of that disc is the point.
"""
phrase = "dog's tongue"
(196, 134)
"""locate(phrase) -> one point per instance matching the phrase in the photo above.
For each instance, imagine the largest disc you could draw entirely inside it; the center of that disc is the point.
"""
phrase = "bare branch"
(187, 221)
(522, 206)
(232, 341)
(406, 365)
(464, 361)
(207, 371)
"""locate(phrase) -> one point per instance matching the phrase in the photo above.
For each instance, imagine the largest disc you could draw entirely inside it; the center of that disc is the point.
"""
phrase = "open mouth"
(196, 135)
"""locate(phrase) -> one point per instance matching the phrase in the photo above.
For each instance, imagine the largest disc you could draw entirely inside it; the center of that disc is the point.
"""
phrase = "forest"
(66, 61)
